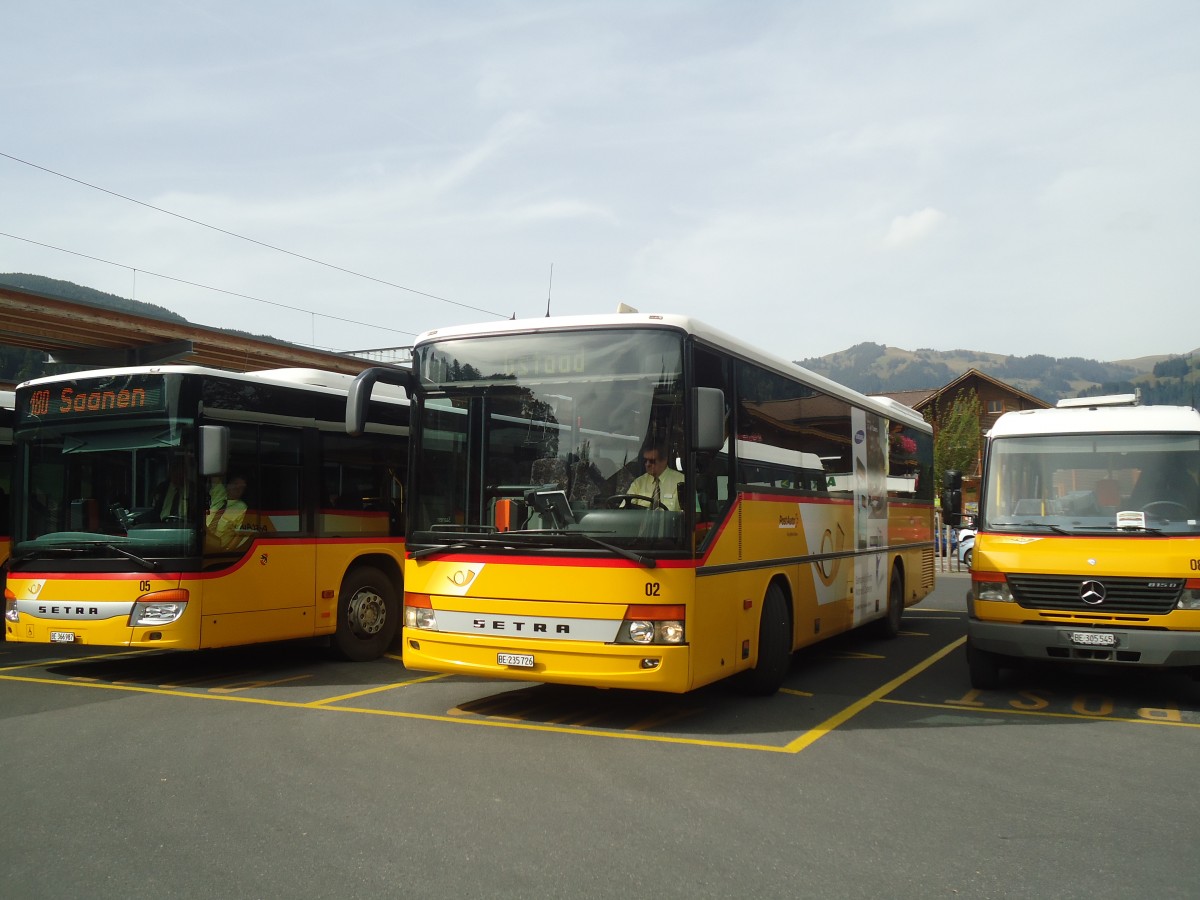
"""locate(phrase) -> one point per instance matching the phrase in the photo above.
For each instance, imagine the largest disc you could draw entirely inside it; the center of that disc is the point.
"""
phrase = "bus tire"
(889, 625)
(983, 668)
(368, 615)
(774, 646)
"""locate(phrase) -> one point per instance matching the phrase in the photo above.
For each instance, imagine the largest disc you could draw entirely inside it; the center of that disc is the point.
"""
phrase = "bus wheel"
(984, 669)
(774, 646)
(889, 625)
(368, 614)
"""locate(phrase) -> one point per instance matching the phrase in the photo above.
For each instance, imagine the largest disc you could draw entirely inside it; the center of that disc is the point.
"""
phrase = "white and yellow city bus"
(183, 507)
(805, 508)
(1088, 541)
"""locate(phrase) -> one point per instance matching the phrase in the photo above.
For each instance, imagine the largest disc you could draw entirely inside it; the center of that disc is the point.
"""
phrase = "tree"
(957, 438)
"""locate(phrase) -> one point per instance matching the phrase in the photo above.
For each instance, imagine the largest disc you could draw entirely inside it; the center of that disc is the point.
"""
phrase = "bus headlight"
(10, 608)
(994, 590)
(653, 625)
(670, 632)
(1190, 598)
(159, 608)
(641, 632)
(418, 612)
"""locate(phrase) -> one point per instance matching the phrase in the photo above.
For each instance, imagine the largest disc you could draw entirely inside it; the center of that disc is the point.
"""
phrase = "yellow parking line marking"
(64, 662)
(1010, 711)
(795, 692)
(913, 611)
(375, 690)
(802, 742)
(419, 717)
(813, 735)
(250, 685)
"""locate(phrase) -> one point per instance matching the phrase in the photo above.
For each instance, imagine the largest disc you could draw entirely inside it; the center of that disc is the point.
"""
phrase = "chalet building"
(995, 398)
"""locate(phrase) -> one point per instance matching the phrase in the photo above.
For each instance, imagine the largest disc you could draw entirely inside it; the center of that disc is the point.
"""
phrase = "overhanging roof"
(95, 336)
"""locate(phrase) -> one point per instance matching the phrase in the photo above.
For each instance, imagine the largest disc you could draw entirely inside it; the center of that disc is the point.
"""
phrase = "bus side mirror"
(708, 426)
(214, 449)
(952, 497)
(360, 394)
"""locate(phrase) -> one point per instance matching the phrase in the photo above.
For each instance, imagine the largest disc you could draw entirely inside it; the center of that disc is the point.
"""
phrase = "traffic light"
(952, 497)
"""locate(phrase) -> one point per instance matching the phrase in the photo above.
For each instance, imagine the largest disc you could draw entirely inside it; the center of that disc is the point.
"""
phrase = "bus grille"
(1147, 596)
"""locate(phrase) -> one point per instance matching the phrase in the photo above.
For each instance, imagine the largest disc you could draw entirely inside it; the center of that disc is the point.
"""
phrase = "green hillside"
(875, 368)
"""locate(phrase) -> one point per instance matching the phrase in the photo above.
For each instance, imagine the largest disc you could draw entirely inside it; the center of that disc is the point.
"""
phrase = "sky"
(1017, 177)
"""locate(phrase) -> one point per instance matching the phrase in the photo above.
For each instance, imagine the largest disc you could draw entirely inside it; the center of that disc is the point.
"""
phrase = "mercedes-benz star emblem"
(1092, 593)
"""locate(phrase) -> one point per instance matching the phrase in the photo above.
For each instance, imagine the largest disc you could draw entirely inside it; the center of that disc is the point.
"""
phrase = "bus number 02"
(652, 588)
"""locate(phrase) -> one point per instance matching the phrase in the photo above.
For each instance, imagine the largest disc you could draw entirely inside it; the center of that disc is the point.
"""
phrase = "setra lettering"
(69, 610)
(519, 625)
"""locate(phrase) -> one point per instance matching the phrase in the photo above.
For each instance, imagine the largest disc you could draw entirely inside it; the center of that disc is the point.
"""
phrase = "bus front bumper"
(651, 667)
(1119, 646)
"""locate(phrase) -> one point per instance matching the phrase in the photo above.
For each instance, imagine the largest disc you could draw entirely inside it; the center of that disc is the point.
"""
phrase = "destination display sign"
(93, 398)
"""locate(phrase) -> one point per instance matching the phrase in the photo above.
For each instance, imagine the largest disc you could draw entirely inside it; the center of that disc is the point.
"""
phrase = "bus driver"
(659, 484)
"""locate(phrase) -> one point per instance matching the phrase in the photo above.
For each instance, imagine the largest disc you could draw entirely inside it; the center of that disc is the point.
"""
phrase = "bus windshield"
(541, 438)
(115, 479)
(1093, 483)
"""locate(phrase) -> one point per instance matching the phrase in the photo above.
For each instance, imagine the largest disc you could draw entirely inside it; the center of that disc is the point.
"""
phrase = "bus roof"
(332, 382)
(1096, 419)
(884, 406)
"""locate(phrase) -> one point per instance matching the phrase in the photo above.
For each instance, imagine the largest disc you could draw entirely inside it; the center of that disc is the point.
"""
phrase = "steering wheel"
(1158, 509)
(122, 515)
(618, 500)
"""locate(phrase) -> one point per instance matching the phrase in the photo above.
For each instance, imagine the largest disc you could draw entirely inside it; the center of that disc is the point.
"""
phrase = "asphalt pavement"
(277, 772)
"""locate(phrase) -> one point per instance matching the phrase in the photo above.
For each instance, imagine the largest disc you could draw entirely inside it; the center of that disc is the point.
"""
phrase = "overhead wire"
(251, 240)
(206, 287)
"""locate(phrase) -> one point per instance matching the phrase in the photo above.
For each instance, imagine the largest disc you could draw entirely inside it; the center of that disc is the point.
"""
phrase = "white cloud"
(913, 228)
(899, 160)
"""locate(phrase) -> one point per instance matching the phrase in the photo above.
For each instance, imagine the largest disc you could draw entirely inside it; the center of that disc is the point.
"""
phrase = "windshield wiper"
(486, 543)
(647, 561)
(1122, 529)
(45, 553)
(80, 550)
(1058, 529)
(147, 563)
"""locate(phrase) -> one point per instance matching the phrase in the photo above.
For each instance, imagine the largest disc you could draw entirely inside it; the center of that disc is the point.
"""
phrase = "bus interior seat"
(585, 483)
(1108, 493)
(1031, 506)
(85, 515)
(549, 470)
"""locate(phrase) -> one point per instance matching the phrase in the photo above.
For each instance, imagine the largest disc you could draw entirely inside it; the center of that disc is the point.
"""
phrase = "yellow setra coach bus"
(541, 547)
(180, 507)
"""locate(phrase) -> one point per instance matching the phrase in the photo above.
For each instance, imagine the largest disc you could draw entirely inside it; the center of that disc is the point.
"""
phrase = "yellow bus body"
(280, 589)
(1088, 549)
(721, 594)
(1170, 558)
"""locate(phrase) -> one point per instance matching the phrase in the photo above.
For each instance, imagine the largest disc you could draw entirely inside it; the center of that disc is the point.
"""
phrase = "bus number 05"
(652, 588)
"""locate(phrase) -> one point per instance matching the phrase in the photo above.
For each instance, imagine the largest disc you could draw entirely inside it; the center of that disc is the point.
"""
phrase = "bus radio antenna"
(549, 289)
